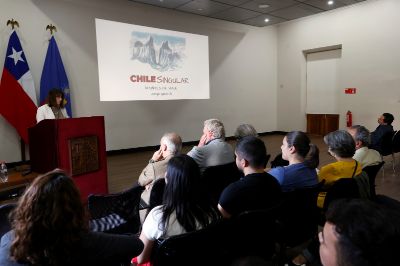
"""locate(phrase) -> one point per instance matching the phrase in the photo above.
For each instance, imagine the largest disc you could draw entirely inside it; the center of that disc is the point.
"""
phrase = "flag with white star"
(18, 102)
(54, 76)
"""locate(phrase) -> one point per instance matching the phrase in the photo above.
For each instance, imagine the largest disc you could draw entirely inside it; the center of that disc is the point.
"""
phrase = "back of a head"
(245, 130)
(182, 178)
(184, 194)
(48, 220)
(309, 152)
(216, 127)
(368, 233)
(361, 134)
(388, 118)
(253, 150)
(173, 142)
(341, 143)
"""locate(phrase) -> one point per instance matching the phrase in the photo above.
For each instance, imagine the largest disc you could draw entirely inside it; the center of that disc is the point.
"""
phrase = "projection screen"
(143, 63)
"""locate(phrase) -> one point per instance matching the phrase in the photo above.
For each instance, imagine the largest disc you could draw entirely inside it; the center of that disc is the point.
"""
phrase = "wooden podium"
(75, 145)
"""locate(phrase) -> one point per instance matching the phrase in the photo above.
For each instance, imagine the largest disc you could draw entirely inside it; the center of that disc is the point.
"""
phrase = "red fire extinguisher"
(349, 119)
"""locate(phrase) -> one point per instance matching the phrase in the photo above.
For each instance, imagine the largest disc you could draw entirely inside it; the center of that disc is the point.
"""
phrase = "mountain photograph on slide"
(161, 52)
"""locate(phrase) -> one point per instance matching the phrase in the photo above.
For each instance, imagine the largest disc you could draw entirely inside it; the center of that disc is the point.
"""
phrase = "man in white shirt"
(362, 138)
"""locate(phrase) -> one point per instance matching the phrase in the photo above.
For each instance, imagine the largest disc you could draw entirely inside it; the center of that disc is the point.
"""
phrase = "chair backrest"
(116, 213)
(157, 193)
(299, 215)
(372, 171)
(279, 161)
(254, 233)
(342, 188)
(205, 246)
(217, 178)
(388, 202)
(5, 224)
(385, 146)
(396, 142)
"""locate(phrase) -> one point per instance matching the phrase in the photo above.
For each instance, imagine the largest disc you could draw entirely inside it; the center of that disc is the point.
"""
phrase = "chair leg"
(393, 163)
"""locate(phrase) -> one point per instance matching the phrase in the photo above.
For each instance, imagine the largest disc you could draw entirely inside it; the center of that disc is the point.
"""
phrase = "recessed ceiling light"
(263, 6)
(330, 2)
(199, 9)
(266, 20)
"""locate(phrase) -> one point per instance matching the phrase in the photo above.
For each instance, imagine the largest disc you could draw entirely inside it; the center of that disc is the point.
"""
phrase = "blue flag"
(54, 76)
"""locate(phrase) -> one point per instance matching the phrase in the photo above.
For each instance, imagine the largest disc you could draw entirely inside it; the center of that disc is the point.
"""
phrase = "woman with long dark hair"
(54, 108)
(50, 227)
(303, 157)
(185, 208)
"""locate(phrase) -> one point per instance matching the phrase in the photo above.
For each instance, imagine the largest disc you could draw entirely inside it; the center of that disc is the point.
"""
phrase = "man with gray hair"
(212, 149)
(362, 138)
(170, 144)
(244, 130)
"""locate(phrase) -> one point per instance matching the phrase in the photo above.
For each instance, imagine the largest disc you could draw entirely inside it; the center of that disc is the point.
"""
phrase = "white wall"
(370, 37)
(243, 70)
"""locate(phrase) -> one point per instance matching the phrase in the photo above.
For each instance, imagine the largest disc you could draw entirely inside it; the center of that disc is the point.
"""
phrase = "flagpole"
(23, 157)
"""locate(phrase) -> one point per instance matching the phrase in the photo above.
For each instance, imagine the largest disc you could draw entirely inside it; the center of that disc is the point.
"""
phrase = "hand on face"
(158, 155)
(203, 140)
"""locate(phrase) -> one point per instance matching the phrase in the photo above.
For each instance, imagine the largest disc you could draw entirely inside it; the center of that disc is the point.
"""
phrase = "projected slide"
(142, 63)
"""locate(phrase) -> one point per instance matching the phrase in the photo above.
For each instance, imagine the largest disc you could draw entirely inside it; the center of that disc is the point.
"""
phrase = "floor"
(124, 170)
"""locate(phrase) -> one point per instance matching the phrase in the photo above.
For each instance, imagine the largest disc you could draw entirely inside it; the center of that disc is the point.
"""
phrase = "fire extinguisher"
(349, 119)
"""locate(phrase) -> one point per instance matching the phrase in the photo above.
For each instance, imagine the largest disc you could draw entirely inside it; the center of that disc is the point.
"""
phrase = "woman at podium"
(54, 108)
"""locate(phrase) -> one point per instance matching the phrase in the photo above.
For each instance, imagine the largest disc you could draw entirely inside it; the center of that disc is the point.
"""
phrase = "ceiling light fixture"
(330, 2)
(266, 20)
(263, 6)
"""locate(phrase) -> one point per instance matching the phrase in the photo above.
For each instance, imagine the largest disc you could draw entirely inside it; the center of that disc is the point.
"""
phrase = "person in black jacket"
(385, 126)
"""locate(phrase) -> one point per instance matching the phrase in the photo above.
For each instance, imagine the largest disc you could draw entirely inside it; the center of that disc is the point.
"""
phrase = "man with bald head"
(170, 144)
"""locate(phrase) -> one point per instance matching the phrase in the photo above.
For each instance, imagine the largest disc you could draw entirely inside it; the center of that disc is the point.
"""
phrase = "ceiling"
(251, 12)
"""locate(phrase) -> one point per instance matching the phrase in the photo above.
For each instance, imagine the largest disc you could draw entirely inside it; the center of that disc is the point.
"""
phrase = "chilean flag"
(17, 91)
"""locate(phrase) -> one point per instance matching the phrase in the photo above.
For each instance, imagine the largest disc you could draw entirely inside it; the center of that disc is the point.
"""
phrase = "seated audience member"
(170, 144)
(360, 233)
(212, 149)
(257, 189)
(185, 206)
(303, 158)
(245, 130)
(342, 147)
(49, 227)
(385, 126)
(54, 108)
(363, 155)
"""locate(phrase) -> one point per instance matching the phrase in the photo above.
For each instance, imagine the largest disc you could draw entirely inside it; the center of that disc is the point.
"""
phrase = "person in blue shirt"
(303, 160)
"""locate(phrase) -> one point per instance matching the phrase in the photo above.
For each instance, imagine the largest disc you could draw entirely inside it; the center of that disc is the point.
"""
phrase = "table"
(15, 185)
